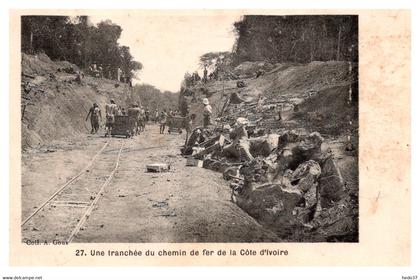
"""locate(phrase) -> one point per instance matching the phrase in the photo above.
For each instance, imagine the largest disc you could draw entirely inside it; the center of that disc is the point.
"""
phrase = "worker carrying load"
(134, 119)
(110, 111)
(95, 114)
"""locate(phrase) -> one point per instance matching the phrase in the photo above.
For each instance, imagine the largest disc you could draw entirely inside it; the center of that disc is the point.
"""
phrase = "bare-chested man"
(110, 110)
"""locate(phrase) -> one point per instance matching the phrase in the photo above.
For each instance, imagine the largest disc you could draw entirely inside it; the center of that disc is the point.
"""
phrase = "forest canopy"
(286, 39)
(75, 40)
(300, 39)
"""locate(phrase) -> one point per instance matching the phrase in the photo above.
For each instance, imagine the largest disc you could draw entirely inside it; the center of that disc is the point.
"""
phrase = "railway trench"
(186, 204)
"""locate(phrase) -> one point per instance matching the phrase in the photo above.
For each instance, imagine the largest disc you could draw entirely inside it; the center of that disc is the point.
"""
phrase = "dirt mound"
(315, 75)
(298, 79)
(328, 111)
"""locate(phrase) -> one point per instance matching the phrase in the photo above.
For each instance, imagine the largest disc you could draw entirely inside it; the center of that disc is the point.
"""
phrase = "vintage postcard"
(219, 137)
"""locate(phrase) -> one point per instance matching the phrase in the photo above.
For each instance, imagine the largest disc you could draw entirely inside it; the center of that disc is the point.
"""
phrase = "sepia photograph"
(189, 128)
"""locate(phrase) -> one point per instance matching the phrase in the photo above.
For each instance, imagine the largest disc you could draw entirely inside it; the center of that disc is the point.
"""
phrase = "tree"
(45, 33)
(215, 59)
(153, 98)
(74, 40)
(128, 65)
(299, 39)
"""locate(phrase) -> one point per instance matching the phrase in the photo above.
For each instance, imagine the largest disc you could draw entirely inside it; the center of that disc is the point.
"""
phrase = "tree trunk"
(338, 43)
(311, 51)
(31, 39)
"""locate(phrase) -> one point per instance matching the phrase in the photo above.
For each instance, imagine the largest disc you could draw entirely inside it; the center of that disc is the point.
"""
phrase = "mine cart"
(176, 124)
(123, 126)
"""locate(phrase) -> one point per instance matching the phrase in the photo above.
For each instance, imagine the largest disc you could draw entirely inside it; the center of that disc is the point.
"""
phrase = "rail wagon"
(124, 126)
(176, 123)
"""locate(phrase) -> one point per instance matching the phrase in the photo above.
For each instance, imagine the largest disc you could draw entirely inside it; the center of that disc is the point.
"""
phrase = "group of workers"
(109, 72)
(135, 113)
(138, 116)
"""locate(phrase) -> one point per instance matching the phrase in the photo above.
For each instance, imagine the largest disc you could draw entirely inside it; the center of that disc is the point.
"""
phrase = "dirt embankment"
(57, 105)
(291, 83)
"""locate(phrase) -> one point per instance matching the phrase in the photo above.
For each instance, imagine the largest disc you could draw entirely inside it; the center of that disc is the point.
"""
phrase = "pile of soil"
(312, 76)
(328, 111)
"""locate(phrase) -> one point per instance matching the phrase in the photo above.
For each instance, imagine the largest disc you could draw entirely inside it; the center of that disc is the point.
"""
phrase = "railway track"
(62, 216)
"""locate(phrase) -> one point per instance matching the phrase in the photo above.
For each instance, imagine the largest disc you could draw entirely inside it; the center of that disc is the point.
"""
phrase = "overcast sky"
(170, 45)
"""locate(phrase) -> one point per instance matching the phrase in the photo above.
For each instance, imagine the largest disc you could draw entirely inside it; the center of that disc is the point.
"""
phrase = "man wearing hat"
(207, 112)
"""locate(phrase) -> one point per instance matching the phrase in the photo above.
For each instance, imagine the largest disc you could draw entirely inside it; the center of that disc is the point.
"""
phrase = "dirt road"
(187, 204)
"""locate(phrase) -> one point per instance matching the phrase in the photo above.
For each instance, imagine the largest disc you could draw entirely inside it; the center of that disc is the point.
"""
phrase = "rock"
(240, 84)
(231, 172)
(287, 137)
(307, 149)
(214, 165)
(284, 161)
(270, 203)
(311, 142)
(239, 150)
(331, 183)
(337, 223)
(306, 175)
(304, 215)
(226, 128)
(305, 180)
(263, 146)
(257, 172)
(238, 132)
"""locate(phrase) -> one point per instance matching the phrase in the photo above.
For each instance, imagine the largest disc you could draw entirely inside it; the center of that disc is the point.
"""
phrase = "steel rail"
(64, 186)
(86, 215)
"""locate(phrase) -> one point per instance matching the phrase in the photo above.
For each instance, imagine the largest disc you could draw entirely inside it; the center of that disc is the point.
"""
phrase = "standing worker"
(133, 119)
(147, 114)
(142, 119)
(94, 113)
(207, 112)
(119, 74)
(162, 121)
(156, 116)
(205, 74)
(110, 110)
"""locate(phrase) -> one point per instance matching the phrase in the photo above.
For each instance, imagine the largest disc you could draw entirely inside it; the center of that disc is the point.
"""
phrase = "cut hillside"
(328, 111)
(57, 105)
(287, 85)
